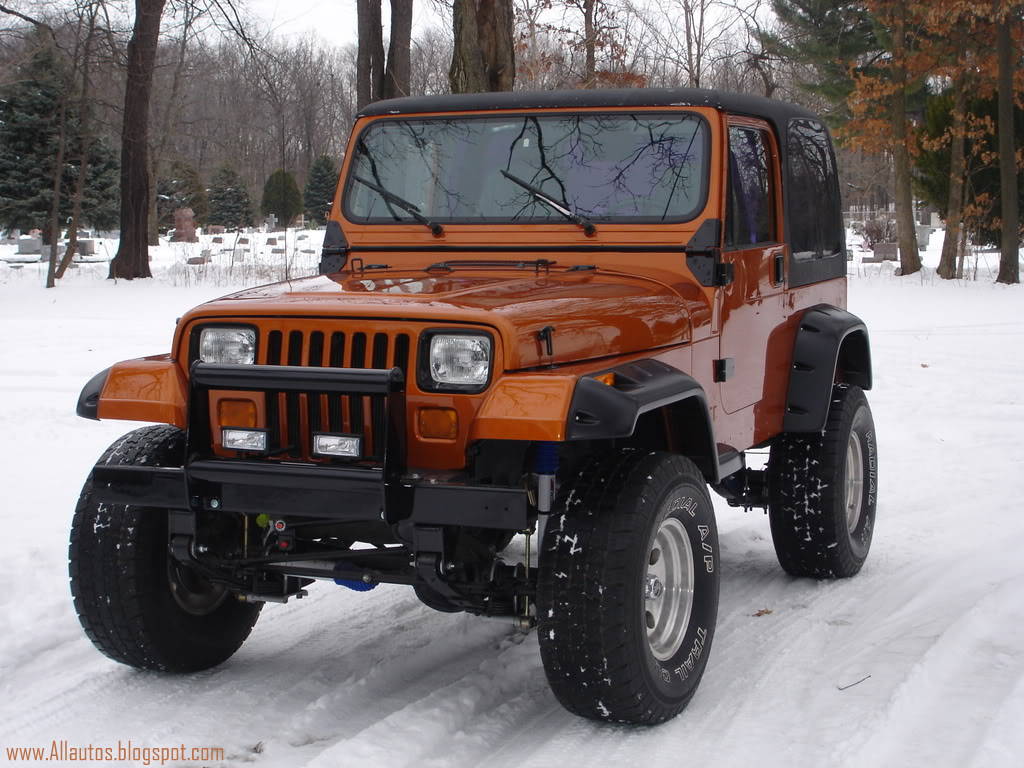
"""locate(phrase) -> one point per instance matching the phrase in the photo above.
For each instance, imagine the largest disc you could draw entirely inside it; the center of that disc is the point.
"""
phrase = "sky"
(333, 20)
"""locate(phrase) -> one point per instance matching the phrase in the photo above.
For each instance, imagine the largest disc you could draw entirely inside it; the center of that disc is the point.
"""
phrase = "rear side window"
(750, 205)
(815, 231)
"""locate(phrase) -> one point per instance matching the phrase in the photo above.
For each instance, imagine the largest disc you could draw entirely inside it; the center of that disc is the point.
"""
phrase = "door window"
(750, 204)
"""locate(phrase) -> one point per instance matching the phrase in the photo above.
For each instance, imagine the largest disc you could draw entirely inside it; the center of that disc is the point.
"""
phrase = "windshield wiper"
(402, 203)
(588, 226)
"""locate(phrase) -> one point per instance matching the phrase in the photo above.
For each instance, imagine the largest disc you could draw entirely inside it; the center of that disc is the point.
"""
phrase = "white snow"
(932, 628)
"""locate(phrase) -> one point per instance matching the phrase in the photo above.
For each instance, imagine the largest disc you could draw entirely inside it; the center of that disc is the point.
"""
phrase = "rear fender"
(831, 347)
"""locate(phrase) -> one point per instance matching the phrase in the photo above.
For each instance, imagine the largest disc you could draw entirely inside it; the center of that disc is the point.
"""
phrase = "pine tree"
(28, 142)
(281, 197)
(29, 109)
(319, 193)
(830, 38)
(181, 188)
(229, 200)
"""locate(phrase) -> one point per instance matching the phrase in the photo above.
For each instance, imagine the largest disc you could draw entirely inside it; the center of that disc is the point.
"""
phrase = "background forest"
(184, 103)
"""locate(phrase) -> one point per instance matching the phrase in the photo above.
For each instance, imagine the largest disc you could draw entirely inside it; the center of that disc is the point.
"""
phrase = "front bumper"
(337, 491)
(335, 494)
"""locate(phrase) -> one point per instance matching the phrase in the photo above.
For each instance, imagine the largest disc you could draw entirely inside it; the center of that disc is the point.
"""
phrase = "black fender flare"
(828, 340)
(89, 399)
(599, 411)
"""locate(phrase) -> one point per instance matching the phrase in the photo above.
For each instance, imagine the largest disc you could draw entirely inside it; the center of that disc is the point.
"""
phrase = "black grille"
(292, 417)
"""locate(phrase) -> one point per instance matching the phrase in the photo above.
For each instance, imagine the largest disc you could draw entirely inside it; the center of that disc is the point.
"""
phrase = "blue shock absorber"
(545, 458)
(545, 465)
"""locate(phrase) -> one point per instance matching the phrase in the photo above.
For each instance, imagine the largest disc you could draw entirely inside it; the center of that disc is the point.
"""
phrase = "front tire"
(627, 594)
(136, 603)
(823, 491)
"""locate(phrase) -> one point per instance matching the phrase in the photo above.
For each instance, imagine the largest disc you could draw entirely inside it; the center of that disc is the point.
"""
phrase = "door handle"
(780, 268)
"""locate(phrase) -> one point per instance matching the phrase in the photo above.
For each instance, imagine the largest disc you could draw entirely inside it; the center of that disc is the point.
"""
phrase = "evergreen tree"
(29, 106)
(181, 188)
(29, 109)
(982, 192)
(281, 197)
(101, 196)
(319, 192)
(229, 200)
(830, 38)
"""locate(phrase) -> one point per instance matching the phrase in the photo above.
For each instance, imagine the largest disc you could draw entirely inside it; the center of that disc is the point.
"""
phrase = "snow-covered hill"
(933, 627)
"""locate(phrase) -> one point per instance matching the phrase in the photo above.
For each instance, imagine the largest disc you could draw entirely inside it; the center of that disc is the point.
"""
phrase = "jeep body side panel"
(826, 336)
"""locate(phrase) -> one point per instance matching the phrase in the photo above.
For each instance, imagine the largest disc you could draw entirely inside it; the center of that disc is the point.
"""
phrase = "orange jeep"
(561, 315)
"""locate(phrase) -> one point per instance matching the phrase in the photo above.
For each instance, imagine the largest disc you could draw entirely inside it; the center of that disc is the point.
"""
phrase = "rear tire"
(823, 489)
(136, 603)
(627, 594)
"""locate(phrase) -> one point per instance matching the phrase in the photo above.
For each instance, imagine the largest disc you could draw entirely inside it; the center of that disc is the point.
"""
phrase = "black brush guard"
(340, 491)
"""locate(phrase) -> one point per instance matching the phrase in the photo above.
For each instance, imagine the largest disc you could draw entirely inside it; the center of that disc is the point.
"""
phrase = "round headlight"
(228, 345)
(460, 359)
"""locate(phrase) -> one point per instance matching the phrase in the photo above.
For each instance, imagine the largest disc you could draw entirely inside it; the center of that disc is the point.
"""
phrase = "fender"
(831, 345)
(149, 389)
(602, 411)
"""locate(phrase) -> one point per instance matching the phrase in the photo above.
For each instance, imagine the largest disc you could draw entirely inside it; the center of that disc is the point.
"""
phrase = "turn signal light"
(607, 379)
(236, 413)
(439, 423)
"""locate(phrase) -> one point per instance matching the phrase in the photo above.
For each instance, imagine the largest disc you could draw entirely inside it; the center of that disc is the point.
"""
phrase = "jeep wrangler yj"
(561, 315)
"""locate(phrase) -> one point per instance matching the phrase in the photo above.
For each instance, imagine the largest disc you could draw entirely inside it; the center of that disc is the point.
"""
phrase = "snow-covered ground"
(934, 622)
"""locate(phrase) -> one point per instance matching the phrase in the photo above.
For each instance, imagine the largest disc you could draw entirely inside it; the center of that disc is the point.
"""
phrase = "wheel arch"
(650, 403)
(831, 345)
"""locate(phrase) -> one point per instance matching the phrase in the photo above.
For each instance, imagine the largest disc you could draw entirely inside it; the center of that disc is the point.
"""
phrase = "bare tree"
(1009, 260)
(132, 257)
(484, 56)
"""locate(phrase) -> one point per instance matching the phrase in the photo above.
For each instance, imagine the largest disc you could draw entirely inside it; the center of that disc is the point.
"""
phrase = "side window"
(813, 192)
(750, 207)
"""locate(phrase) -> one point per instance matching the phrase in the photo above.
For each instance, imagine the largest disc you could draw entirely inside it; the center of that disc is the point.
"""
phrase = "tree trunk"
(58, 177)
(85, 121)
(1009, 259)
(589, 45)
(957, 165)
(483, 56)
(910, 259)
(396, 76)
(132, 257)
(370, 53)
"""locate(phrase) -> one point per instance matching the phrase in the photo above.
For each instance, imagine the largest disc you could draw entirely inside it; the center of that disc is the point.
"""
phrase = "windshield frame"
(695, 213)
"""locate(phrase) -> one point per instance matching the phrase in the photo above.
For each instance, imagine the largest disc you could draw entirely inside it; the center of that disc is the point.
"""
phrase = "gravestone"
(184, 226)
(218, 239)
(271, 241)
(86, 248)
(277, 250)
(883, 252)
(923, 234)
(30, 245)
(215, 229)
(271, 222)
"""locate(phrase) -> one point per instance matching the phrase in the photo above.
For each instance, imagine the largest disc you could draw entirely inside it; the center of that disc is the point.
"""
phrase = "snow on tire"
(135, 602)
(823, 490)
(627, 595)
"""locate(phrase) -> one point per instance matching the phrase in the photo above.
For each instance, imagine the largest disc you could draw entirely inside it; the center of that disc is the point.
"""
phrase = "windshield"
(616, 168)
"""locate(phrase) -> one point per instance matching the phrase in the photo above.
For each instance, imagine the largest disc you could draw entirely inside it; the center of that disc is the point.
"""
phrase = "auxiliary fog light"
(244, 439)
(347, 446)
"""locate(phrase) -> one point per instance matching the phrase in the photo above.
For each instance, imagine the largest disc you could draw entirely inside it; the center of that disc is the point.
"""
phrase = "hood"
(593, 313)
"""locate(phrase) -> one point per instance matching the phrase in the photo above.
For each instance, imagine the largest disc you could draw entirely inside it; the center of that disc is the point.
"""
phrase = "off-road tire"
(807, 481)
(119, 565)
(590, 593)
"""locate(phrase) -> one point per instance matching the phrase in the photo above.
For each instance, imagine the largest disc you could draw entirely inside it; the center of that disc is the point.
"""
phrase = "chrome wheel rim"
(854, 481)
(192, 592)
(668, 589)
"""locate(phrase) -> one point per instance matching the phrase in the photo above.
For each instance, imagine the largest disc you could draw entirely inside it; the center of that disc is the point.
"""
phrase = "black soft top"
(777, 112)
